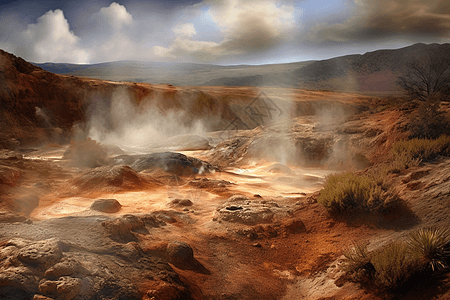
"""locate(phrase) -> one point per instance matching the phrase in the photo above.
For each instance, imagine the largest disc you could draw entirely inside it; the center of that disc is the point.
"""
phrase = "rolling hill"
(373, 72)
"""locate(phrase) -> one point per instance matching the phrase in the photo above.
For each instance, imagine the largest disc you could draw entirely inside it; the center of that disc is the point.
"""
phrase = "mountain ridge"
(371, 72)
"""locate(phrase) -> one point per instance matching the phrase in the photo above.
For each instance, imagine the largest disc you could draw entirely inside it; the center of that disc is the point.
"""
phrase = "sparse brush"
(394, 265)
(411, 152)
(397, 264)
(347, 190)
(433, 246)
(357, 262)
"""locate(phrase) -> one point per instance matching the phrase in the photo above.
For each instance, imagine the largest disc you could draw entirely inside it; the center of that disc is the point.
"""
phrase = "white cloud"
(245, 25)
(50, 39)
(185, 30)
(115, 15)
(112, 34)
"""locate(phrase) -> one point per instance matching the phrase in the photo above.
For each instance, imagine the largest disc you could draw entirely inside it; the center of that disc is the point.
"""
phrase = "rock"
(257, 245)
(165, 291)
(180, 253)
(174, 163)
(151, 220)
(65, 288)
(9, 176)
(106, 205)
(240, 209)
(180, 202)
(122, 227)
(87, 265)
(44, 253)
(236, 198)
(20, 278)
(40, 297)
(66, 267)
(294, 226)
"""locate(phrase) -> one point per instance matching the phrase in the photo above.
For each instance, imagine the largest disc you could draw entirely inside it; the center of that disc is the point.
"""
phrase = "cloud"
(115, 15)
(385, 19)
(246, 26)
(50, 39)
(185, 30)
(252, 25)
(112, 34)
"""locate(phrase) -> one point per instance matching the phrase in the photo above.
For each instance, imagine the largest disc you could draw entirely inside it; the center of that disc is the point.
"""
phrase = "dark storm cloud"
(385, 19)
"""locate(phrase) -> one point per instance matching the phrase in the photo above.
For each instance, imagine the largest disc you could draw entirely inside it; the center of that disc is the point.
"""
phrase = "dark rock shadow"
(398, 217)
(193, 265)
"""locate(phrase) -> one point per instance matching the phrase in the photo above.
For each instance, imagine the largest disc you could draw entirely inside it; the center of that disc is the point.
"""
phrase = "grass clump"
(432, 245)
(395, 266)
(412, 152)
(388, 268)
(346, 191)
(357, 262)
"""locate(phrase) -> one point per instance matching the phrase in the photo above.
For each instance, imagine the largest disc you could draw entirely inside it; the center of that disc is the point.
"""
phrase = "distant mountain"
(173, 73)
(372, 72)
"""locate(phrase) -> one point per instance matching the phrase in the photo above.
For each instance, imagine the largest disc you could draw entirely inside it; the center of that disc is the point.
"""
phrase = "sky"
(218, 32)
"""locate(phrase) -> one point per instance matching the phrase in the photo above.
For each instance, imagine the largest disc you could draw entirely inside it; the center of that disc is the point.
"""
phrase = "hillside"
(373, 72)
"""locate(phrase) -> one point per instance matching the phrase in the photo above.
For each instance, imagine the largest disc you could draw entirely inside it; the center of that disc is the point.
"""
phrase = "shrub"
(397, 264)
(347, 190)
(357, 262)
(411, 152)
(432, 245)
(429, 121)
(394, 265)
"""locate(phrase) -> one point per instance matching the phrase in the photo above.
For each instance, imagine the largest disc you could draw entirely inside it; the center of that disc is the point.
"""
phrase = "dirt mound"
(113, 178)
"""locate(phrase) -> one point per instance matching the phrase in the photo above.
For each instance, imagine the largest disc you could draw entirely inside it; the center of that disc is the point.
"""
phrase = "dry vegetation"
(394, 266)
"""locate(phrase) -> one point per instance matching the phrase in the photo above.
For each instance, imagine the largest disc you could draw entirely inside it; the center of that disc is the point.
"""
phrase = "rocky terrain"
(227, 211)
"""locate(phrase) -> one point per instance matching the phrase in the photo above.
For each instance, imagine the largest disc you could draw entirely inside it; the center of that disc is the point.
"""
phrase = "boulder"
(241, 209)
(106, 205)
(44, 253)
(174, 163)
(180, 253)
(180, 202)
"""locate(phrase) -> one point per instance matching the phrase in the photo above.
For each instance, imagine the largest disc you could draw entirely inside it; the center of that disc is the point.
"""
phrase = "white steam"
(130, 126)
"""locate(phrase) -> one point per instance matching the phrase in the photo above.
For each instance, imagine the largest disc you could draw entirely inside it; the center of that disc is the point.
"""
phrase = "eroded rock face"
(44, 253)
(122, 227)
(57, 269)
(241, 209)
